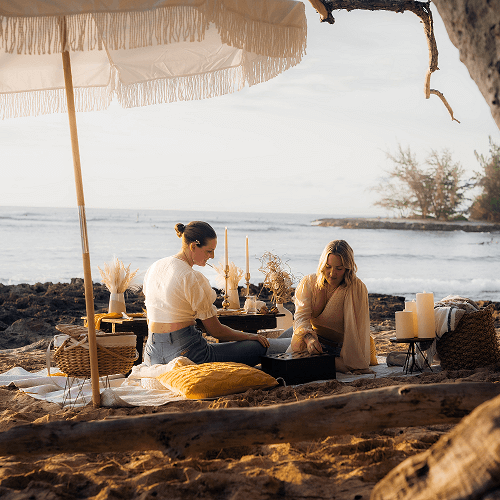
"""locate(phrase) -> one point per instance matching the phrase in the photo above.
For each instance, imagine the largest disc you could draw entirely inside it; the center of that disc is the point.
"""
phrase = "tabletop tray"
(299, 368)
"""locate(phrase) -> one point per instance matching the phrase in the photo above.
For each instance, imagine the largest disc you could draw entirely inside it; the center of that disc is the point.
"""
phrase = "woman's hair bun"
(179, 229)
(196, 231)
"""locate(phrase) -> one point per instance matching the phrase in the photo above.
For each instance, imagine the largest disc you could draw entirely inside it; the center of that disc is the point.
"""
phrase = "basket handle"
(72, 342)
(119, 356)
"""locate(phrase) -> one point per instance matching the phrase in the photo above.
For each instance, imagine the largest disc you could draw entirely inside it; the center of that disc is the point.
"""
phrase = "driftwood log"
(462, 465)
(182, 434)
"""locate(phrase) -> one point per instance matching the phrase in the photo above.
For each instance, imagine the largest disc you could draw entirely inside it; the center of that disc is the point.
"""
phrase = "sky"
(312, 140)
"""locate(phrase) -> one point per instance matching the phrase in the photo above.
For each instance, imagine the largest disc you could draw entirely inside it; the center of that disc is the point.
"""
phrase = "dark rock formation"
(410, 224)
(29, 313)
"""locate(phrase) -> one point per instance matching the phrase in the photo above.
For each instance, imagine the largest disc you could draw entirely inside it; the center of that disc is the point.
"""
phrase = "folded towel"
(446, 319)
(464, 303)
(100, 316)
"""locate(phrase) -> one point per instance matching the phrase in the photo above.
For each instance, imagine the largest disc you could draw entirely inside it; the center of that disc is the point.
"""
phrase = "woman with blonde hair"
(331, 311)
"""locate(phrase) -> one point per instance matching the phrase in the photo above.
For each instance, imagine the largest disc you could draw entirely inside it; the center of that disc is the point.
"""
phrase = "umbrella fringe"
(194, 87)
(122, 30)
(203, 86)
(34, 103)
(119, 30)
(164, 90)
(265, 69)
(277, 41)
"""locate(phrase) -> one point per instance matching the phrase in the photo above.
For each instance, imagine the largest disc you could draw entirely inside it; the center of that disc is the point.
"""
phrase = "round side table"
(413, 348)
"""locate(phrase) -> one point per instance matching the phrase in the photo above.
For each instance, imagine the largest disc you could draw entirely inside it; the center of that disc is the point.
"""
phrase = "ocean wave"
(460, 257)
(475, 289)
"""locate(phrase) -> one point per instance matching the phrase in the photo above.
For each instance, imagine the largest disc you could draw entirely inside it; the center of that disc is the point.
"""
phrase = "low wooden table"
(139, 326)
(410, 361)
(247, 322)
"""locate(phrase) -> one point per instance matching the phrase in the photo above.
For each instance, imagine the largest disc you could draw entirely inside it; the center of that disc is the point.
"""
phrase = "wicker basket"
(115, 354)
(472, 344)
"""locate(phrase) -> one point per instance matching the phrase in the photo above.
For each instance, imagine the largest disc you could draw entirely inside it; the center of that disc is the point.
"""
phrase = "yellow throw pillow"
(373, 352)
(212, 380)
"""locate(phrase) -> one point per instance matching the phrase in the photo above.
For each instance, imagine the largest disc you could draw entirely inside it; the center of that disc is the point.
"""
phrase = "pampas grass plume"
(235, 275)
(116, 277)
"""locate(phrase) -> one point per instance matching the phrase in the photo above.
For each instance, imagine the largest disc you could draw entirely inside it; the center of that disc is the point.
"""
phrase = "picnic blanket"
(120, 391)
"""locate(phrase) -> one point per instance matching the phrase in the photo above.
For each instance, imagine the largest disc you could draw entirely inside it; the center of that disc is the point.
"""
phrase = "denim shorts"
(189, 342)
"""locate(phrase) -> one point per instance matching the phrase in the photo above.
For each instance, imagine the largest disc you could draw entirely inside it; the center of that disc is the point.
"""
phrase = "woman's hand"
(260, 338)
(222, 332)
(313, 345)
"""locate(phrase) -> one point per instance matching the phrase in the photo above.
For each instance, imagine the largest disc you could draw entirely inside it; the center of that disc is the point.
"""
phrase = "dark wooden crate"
(299, 368)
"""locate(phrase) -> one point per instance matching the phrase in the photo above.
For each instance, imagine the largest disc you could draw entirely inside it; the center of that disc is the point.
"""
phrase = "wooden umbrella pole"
(87, 275)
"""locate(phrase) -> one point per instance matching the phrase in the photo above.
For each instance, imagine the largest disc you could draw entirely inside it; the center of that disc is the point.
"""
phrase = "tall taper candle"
(226, 256)
(247, 257)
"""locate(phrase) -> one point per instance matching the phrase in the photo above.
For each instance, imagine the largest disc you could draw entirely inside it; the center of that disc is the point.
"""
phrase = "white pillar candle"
(226, 256)
(404, 325)
(412, 306)
(425, 315)
(247, 257)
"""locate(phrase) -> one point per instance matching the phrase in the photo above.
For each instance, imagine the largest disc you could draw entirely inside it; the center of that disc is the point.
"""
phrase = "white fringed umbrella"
(139, 52)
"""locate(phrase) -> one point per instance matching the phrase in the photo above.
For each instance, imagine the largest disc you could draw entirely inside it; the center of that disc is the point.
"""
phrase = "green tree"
(411, 190)
(448, 190)
(486, 205)
(407, 190)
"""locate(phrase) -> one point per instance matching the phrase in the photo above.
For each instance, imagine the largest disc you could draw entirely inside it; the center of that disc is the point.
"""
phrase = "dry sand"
(339, 467)
(343, 467)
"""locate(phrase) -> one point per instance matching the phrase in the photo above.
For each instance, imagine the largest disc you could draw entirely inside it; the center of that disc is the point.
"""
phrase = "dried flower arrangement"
(278, 280)
(117, 278)
(234, 277)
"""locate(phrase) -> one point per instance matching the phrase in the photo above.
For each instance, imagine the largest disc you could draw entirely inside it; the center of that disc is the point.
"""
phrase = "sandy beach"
(341, 467)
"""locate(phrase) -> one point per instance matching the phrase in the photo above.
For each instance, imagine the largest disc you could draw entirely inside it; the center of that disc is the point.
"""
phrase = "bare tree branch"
(420, 9)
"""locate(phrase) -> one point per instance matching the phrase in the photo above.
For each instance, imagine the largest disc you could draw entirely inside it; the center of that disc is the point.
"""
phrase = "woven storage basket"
(115, 354)
(472, 344)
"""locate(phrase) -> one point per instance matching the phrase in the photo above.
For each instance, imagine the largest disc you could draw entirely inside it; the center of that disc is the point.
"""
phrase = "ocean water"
(43, 244)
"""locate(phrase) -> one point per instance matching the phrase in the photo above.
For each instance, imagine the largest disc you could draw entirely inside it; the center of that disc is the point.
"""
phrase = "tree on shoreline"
(413, 191)
(486, 205)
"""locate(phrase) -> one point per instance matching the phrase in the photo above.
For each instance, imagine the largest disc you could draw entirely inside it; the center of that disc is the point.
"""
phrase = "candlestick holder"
(247, 281)
(225, 303)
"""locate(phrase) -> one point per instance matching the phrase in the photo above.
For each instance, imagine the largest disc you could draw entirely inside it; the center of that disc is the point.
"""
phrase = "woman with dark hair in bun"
(177, 295)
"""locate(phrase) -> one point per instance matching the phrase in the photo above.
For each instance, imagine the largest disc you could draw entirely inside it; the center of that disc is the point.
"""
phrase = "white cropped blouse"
(176, 293)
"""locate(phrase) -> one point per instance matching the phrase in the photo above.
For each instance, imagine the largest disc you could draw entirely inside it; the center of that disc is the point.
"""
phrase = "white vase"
(286, 321)
(117, 303)
(234, 298)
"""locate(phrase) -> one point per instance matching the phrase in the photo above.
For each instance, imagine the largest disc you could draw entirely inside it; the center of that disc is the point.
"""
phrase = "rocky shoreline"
(409, 224)
(29, 313)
